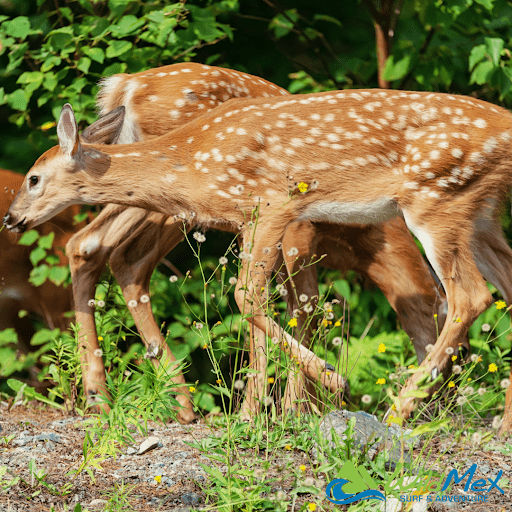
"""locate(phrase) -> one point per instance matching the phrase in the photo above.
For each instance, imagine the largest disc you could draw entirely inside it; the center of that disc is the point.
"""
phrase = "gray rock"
(368, 432)
(190, 498)
(97, 503)
(148, 444)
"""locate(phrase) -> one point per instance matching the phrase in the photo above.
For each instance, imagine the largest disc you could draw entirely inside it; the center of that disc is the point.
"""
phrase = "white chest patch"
(381, 210)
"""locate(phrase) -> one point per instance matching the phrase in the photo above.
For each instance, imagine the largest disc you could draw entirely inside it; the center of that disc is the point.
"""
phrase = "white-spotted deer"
(136, 239)
(48, 301)
(342, 157)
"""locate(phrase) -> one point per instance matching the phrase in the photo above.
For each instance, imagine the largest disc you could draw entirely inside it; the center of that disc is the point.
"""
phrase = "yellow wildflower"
(192, 389)
(158, 478)
(100, 338)
(219, 381)
(312, 507)
(205, 346)
(337, 323)
(451, 384)
(381, 381)
(493, 368)
(343, 403)
(454, 358)
(302, 187)
(302, 468)
(270, 380)
(325, 322)
(287, 447)
(382, 348)
(293, 322)
(500, 304)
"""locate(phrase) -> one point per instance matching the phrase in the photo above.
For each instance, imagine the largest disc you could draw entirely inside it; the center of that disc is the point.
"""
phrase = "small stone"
(98, 503)
(148, 444)
(130, 450)
(190, 498)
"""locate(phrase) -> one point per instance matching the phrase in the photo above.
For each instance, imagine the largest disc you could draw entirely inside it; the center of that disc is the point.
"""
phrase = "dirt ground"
(55, 442)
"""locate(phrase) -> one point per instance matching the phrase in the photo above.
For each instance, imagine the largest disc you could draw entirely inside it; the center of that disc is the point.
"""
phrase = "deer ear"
(67, 131)
(107, 129)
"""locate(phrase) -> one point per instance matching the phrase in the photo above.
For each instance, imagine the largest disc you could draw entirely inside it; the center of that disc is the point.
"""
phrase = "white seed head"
(173, 279)
(98, 352)
(144, 299)
(293, 251)
(303, 297)
(232, 281)
(486, 327)
(223, 260)
(91, 303)
(449, 351)
(429, 348)
(505, 383)
(337, 341)
(366, 399)
(457, 369)
(239, 384)
(132, 303)
(101, 303)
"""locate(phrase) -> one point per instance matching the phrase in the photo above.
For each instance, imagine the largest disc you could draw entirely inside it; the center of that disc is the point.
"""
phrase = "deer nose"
(8, 220)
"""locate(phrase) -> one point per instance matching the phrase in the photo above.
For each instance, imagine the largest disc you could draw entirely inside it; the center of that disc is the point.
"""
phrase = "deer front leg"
(133, 263)
(466, 292)
(251, 297)
(299, 244)
(256, 389)
(88, 252)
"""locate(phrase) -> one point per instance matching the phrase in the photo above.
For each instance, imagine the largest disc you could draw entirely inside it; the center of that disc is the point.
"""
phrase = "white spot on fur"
(480, 123)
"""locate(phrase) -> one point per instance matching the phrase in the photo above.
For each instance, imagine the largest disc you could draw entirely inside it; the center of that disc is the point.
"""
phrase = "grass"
(266, 464)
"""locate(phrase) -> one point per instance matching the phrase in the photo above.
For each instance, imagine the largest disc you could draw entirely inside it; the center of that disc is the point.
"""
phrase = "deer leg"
(256, 389)
(251, 297)
(88, 252)
(299, 244)
(133, 263)
(466, 292)
(494, 260)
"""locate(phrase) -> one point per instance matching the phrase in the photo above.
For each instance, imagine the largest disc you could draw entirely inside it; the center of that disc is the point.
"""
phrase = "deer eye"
(33, 180)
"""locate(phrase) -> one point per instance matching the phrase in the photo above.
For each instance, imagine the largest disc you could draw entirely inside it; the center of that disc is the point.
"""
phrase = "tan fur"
(332, 169)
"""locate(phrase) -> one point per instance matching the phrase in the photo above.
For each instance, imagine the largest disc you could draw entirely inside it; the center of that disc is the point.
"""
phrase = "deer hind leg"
(251, 297)
(133, 263)
(388, 256)
(299, 244)
(449, 252)
(494, 260)
(88, 252)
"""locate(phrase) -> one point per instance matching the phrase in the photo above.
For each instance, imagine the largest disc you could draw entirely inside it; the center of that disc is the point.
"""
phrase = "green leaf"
(46, 241)
(61, 38)
(8, 336)
(29, 77)
(395, 70)
(96, 54)
(486, 3)
(476, 55)
(30, 393)
(37, 255)
(18, 27)
(29, 237)
(39, 275)
(18, 100)
(117, 48)
(126, 25)
(342, 287)
(58, 275)
(50, 62)
(50, 81)
(481, 72)
(44, 336)
(494, 47)
(113, 69)
(84, 64)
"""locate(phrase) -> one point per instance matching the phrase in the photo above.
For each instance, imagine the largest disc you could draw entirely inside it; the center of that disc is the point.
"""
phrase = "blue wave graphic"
(341, 498)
